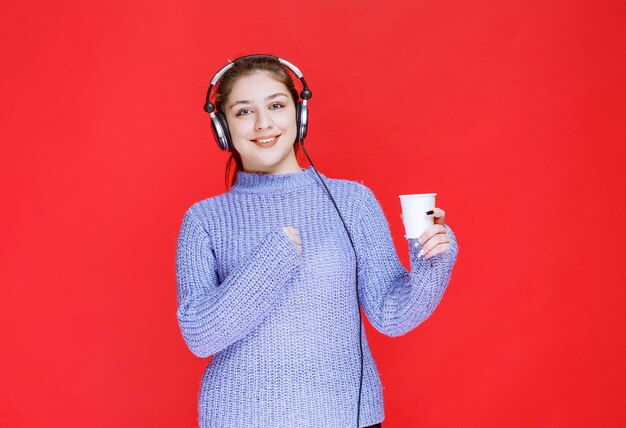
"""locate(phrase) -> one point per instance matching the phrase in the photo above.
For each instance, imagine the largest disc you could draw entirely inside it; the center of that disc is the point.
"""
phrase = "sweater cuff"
(276, 258)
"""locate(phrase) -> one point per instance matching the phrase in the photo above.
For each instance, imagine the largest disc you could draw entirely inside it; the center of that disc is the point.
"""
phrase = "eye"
(244, 112)
(276, 106)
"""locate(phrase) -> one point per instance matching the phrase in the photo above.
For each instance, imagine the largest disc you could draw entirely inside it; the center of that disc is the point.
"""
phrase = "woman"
(266, 272)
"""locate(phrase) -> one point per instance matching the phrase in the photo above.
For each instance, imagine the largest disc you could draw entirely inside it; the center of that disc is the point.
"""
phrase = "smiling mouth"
(266, 141)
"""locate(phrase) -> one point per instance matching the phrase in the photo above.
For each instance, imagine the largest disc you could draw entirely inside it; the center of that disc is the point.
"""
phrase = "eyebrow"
(269, 97)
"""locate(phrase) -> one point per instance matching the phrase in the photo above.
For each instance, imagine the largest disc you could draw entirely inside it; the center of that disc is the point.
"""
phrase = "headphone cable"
(358, 411)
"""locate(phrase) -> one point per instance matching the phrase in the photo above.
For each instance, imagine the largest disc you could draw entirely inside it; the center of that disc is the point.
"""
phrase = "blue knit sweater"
(283, 325)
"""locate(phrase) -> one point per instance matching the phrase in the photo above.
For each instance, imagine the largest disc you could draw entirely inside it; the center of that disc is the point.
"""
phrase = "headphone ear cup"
(298, 114)
(221, 132)
(302, 120)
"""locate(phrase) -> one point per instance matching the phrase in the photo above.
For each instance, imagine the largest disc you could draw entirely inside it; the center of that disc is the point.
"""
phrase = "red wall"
(513, 112)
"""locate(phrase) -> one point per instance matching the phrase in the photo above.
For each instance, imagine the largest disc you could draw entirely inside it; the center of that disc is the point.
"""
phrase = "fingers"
(433, 230)
(294, 235)
(290, 229)
(435, 240)
(439, 215)
(438, 249)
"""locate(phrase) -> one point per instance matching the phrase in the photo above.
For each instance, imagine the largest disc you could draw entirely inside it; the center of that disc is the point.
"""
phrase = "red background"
(513, 112)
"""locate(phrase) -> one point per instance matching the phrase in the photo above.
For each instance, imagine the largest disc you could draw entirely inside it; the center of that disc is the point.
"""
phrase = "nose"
(263, 121)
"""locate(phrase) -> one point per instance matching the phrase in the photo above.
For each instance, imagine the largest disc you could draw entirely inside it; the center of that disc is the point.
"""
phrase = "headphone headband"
(305, 95)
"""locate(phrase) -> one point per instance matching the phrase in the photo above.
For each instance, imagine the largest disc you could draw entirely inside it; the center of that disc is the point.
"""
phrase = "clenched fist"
(294, 235)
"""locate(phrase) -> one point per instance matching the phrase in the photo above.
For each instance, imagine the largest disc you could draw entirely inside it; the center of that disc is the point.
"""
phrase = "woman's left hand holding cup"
(436, 239)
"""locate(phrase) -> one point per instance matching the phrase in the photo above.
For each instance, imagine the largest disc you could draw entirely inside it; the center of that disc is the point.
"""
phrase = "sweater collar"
(272, 183)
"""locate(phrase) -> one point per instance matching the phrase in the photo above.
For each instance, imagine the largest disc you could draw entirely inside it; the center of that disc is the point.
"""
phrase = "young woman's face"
(262, 122)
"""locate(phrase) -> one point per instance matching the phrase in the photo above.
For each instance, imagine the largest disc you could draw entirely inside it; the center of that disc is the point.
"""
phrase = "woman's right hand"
(294, 235)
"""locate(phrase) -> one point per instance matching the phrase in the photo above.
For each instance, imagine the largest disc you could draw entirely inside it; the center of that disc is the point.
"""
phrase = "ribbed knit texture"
(283, 325)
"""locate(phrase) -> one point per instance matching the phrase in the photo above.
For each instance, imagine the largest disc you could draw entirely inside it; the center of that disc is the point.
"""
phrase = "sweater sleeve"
(396, 301)
(213, 315)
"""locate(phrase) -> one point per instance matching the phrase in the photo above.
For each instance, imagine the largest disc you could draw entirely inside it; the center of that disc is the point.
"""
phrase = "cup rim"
(418, 195)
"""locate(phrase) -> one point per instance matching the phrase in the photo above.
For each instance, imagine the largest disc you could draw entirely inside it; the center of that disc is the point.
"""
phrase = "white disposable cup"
(414, 217)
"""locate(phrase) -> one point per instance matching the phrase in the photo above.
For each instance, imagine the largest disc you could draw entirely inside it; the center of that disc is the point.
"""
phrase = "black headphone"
(219, 125)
